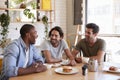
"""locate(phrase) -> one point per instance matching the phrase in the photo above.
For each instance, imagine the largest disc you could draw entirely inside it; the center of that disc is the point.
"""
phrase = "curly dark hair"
(57, 28)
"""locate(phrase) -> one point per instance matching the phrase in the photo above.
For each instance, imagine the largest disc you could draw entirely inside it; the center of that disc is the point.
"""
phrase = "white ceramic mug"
(85, 59)
(93, 65)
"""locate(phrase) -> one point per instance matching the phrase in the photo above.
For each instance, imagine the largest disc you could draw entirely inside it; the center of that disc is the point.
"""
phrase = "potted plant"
(29, 14)
(4, 21)
(45, 22)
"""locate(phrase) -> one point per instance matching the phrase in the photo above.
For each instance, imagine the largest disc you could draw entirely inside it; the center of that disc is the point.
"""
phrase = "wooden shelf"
(19, 17)
(15, 9)
(28, 22)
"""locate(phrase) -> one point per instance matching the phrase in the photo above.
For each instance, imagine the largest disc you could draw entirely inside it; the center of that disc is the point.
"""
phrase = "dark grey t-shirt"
(87, 50)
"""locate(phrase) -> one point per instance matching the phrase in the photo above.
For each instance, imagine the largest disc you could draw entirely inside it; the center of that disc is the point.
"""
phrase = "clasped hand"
(38, 67)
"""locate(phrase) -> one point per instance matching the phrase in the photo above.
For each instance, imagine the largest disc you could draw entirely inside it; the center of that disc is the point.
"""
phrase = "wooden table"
(51, 75)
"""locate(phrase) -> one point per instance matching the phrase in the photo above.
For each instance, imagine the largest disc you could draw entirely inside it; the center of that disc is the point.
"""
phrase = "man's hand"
(38, 67)
(78, 60)
(33, 68)
(72, 62)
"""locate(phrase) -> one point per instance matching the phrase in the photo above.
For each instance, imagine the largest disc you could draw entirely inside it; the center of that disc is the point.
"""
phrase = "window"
(106, 14)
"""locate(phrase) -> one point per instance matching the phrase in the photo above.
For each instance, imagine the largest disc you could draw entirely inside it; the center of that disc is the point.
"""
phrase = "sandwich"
(67, 69)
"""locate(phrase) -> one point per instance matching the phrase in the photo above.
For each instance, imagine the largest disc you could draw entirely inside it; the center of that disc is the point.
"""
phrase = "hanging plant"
(4, 20)
(45, 22)
(29, 14)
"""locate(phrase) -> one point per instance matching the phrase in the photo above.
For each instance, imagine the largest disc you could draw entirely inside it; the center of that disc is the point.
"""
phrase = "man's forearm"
(35, 67)
(74, 53)
(23, 71)
(53, 60)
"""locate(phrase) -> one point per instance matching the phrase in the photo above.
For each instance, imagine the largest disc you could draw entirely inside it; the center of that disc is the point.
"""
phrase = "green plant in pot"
(45, 22)
(4, 21)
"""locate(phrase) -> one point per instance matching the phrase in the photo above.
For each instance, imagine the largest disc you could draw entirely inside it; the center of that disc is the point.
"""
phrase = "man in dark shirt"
(90, 46)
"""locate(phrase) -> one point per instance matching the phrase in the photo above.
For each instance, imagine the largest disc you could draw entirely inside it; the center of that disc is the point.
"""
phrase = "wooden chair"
(105, 57)
(0, 64)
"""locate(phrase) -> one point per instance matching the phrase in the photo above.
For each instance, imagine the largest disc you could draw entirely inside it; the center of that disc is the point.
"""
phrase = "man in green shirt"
(90, 46)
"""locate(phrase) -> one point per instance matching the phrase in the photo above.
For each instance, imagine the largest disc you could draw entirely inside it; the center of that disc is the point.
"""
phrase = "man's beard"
(88, 39)
(54, 42)
(32, 42)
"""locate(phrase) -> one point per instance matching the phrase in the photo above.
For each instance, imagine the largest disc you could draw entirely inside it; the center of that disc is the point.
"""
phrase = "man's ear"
(61, 38)
(27, 34)
(96, 34)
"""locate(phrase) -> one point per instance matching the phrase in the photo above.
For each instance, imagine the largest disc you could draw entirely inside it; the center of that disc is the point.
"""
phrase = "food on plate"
(113, 68)
(67, 68)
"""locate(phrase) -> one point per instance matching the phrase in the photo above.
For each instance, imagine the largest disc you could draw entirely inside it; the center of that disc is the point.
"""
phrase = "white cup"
(64, 62)
(48, 66)
(85, 59)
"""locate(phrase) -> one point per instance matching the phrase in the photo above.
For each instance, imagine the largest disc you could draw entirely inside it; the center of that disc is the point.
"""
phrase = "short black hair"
(57, 28)
(93, 26)
(25, 29)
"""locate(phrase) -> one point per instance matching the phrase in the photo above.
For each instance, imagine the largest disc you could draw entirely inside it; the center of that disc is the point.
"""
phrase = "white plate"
(118, 71)
(56, 65)
(60, 71)
(64, 62)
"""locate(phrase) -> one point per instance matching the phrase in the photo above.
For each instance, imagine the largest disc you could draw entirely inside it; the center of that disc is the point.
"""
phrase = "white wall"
(15, 27)
(61, 14)
(71, 29)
